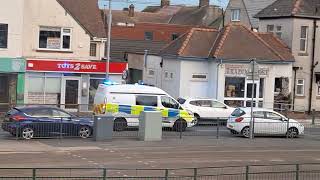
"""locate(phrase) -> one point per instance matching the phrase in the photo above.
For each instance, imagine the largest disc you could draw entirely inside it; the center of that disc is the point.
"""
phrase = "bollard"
(313, 116)
(150, 126)
(103, 128)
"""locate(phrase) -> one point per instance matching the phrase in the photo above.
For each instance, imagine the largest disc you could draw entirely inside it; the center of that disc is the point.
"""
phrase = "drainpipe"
(218, 65)
(313, 65)
(294, 86)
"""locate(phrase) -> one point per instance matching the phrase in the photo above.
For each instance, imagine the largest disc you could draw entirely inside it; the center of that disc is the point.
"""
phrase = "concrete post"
(103, 128)
(150, 126)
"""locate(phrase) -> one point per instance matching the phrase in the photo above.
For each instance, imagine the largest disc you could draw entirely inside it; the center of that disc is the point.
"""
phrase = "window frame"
(305, 39)
(300, 84)
(233, 15)
(6, 35)
(62, 34)
(95, 49)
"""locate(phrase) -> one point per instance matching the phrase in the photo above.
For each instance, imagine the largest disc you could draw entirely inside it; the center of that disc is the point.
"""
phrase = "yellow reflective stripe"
(112, 108)
(136, 110)
(164, 112)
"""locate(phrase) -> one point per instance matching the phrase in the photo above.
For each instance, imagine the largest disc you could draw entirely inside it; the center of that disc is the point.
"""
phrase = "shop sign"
(243, 70)
(74, 66)
(12, 65)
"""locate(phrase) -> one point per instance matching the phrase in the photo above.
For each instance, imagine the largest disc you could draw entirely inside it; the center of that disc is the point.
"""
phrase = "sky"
(141, 4)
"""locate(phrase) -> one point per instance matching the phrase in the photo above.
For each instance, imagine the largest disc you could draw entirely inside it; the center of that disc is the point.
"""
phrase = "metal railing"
(250, 172)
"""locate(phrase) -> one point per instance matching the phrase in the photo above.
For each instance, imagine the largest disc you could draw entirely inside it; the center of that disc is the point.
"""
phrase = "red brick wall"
(161, 32)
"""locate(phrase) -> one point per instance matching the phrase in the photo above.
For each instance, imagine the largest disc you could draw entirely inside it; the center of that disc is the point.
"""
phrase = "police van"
(125, 102)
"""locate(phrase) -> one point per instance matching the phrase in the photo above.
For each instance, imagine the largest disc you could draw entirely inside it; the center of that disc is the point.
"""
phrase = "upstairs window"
(235, 15)
(148, 36)
(276, 30)
(54, 38)
(93, 49)
(300, 87)
(304, 38)
(174, 36)
(3, 35)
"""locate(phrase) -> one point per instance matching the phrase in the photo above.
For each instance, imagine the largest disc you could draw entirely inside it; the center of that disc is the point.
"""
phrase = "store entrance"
(70, 93)
(4, 93)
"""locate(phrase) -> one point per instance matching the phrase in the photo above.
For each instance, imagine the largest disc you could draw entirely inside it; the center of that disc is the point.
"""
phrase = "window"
(40, 113)
(3, 35)
(148, 36)
(55, 38)
(258, 114)
(234, 87)
(235, 15)
(195, 103)
(199, 77)
(181, 100)
(216, 104)
(93, 49)
(273, 116)
(61, 114)
(318, 85)
(277, 85)
(300, 87)
(147, 101)
(238, 112)
(277, 30)
(171, 75)
(166, 75)
(304, 39)
(169, 102)
(261, 88)
(174, 36)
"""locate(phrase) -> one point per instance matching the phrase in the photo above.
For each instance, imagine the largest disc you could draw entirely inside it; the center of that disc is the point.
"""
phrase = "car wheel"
(196, 118)
(180, 125)
(246, 132)
(120, 124)
(292, 132)
(84, 132)
(27, 133)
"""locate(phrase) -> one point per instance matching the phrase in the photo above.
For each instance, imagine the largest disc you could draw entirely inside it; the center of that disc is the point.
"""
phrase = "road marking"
(83, 158)
(277, 160)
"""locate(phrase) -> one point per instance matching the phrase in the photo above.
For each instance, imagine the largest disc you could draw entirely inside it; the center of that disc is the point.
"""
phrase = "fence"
(253, 172)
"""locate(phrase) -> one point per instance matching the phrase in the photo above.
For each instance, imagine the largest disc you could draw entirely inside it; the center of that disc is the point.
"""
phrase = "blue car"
(39, 121)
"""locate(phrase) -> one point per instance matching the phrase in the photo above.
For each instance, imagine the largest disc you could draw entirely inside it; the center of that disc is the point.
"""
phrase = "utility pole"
(109, 41)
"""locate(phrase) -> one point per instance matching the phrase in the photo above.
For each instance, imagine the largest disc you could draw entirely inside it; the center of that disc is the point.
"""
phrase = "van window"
(169, 102)
(147, 101)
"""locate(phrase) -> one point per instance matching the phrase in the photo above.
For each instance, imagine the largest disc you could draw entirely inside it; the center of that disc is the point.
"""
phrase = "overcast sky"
(140, 4)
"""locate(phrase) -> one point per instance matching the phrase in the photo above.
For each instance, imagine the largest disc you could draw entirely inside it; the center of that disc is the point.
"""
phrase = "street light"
(254, 72)
(109, 41)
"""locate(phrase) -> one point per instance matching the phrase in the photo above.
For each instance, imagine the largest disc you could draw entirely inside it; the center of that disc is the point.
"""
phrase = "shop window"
(199, 77)
(148, 36)
(300, 87)
(55, 38)
(147, 101)
(235, 15)
(52, 90)
(261, 88)
(304, 38)
(3, 35)
(93, 49)
(234, 87)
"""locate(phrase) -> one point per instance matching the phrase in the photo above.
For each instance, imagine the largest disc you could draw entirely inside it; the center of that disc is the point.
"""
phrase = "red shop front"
(72, 84)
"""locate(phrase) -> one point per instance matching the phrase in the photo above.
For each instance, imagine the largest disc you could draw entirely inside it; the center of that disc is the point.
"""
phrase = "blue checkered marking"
(173, 113)
(125, 109)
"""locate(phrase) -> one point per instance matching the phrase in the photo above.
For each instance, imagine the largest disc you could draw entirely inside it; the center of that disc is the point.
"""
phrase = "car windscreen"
(181, 100)
(238, 112)
(12, 112)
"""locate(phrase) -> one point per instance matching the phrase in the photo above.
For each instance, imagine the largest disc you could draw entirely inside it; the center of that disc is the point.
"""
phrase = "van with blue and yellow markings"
(126, 102)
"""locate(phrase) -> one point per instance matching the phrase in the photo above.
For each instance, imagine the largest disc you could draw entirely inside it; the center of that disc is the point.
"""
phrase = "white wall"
(36, 14)
(11, 13)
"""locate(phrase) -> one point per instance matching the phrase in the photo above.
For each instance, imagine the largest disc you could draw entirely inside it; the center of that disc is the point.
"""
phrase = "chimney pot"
(165, 3)
(204, 3)
(131, 10)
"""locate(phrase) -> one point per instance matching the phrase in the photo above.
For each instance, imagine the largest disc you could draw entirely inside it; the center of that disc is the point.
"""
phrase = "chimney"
(165, 3)
(204, 3)
(131, 10)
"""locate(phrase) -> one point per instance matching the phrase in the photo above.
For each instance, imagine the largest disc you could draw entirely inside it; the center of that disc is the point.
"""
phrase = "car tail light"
(239, 119)
(18, 118)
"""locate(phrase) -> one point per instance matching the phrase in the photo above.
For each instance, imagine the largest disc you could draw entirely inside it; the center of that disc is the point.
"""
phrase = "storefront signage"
(243, 70)
(74, 66)
(12, 65)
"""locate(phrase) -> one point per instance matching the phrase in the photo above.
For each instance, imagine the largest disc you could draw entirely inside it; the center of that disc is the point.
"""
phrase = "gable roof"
(87, 14)
(253, 7)
(291, 8)
(235, 41)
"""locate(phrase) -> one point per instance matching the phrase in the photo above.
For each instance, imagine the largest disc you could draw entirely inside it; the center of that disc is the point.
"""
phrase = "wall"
(172, 85)
(36, 14)
(11, 13)
(237, 4)
(152, 63)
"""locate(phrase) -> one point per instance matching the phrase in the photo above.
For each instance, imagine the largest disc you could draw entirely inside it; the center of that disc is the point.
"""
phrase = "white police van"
(125, 102)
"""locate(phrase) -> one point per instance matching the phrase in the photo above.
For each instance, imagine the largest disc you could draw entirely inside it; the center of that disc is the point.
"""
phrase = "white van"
(127, 101)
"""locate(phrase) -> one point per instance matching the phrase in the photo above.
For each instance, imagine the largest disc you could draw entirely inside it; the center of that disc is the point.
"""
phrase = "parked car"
(39, 121)
(126, 101)
(266, 122)
(206, 108)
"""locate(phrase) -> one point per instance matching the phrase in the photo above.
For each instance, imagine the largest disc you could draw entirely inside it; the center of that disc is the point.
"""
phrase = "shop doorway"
(70, 91)
(4, 93)
(251, 90)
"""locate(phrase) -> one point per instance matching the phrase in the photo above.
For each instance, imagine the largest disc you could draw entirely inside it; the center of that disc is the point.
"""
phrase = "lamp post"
(254, 71)
(109, 41)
